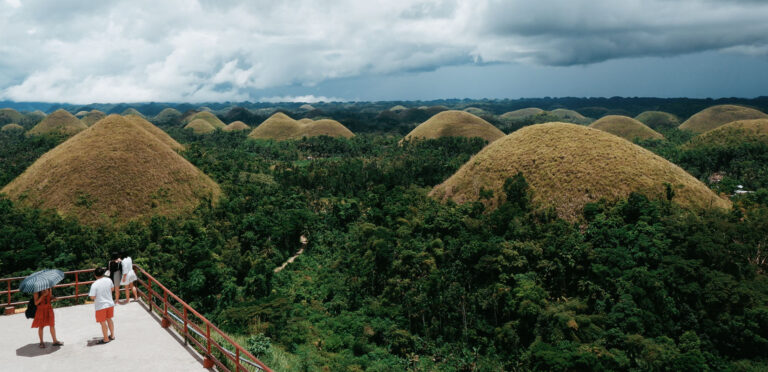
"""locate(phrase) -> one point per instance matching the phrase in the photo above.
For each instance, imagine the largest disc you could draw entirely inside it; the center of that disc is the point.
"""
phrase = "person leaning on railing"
(44, 316)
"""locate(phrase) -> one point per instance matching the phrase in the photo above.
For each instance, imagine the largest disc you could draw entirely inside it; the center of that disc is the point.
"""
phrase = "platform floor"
(140, 343)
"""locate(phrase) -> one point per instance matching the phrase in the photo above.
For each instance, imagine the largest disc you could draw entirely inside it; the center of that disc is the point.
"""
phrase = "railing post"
(165, 323)
(77, 287)
(237, 358)
(149, 293)
(208, 361)
(186, 331)
(9, 292)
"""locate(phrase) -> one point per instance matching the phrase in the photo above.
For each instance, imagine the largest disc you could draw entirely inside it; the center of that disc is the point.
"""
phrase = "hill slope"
(282, 127)
(625, 127)
(11, 127)
(715, 116)
(236, 126)
(658, 119)
(92, 117)
(60, 121)
(567, 166)
(114, 170)
(733, 134)
(200, 126)
(9, 115)
(212, 119)
(155, 131)
(521, 113)
(454, 123)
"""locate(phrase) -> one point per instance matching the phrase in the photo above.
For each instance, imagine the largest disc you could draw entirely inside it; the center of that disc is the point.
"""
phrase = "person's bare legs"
(53, 334)
(40, 334)
(111, 325)
(117, 293)
(127, 293)
(104, 330)
(135, 296)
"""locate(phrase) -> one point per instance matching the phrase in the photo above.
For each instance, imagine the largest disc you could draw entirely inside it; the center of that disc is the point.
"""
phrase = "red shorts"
(104, 314)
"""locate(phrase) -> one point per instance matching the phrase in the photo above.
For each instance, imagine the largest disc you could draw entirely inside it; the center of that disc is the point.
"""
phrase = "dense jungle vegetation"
(393, 280)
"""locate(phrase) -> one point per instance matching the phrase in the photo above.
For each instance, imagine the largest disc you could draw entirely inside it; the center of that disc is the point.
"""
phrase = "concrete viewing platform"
(140, 344)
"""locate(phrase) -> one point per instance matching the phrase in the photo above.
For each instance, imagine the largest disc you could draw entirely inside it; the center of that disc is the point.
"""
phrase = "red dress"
(44, 314)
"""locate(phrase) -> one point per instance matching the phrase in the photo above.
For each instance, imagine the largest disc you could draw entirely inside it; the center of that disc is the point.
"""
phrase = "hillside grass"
(453, 123)
(732, 134)
(200, 126)
(568, 166)
(657, 120)
(282, 127)
(625, 127)
(11, 127)
(114, 171)
(207, 116)
(715, 116)
(59, 122)
(92, 117)
(236, 126)
(521, 113)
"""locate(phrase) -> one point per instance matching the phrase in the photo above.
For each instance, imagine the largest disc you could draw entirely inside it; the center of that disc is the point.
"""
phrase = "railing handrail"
(239, 350)
(8, 291)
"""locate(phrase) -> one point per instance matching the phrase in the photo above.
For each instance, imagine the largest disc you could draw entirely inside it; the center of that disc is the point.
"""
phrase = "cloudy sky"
(206, 50)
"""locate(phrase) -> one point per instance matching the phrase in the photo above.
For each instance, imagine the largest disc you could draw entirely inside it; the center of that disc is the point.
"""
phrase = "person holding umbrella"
(40, 283)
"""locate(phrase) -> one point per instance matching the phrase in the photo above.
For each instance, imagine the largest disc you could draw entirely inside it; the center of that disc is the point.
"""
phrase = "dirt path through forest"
(303, 241)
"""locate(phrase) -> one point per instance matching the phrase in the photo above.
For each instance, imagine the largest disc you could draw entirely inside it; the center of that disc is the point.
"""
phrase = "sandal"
(111, 338)
(42, 345)
(58, 343)
(102, 342)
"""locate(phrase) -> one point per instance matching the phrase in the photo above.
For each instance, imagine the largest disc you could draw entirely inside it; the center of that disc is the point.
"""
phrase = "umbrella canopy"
(41, 280)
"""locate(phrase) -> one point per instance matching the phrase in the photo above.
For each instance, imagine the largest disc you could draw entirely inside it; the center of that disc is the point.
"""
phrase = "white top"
(127, 265)
(102, 291)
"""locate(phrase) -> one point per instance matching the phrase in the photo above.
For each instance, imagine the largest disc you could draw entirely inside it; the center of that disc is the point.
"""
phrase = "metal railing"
(194, 327)
(71, 279)
(189, 324)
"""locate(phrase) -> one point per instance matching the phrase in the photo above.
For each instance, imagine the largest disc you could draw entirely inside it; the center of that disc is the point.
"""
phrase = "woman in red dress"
(44, 316)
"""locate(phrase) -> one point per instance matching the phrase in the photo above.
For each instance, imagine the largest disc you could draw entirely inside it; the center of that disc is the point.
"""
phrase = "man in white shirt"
(101, 295)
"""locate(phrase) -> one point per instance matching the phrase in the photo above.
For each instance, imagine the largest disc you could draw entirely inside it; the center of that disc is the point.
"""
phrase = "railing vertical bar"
(186, 331)
(9, 292)
(77, 287)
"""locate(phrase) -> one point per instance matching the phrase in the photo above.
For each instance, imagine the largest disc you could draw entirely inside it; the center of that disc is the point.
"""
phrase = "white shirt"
(127, 265)
(102, 291)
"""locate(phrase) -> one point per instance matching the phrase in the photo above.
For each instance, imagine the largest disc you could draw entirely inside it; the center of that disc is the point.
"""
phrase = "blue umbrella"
(41, 280)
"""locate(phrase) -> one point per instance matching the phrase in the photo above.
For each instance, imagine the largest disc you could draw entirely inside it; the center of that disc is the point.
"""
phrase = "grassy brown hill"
(168, 116)
(715, 116)
(155, 131)
(475, 111)
(114, 170)
(236, 126)
(325, 127)
(11, 127)
(733, 134)
(454, 123)
(568, 166)
(521, 113)
(200, 126)
(60, 121)
(398, 108)
(305, 120)
(9, 115)
(92, 117)
(658, 120)
(282, 127)
(131, 111)
(208, 117)
(80, 114)
(625, 127)
(570, 116)
(306, 107)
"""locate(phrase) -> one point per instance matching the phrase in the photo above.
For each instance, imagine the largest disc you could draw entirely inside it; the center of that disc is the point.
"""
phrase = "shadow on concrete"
(95, 342)
(34, 350)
